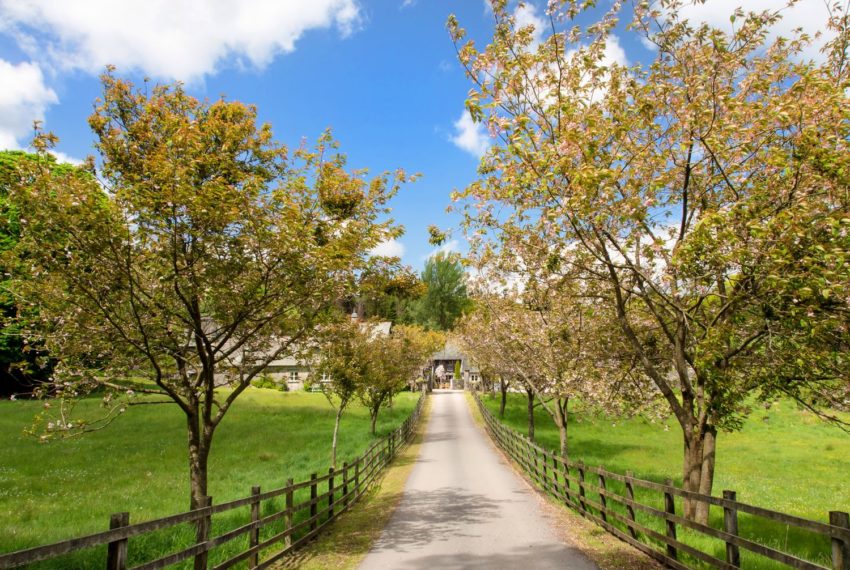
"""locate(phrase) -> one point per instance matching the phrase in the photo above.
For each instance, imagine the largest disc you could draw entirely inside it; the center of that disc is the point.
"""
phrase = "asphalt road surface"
(464, 507)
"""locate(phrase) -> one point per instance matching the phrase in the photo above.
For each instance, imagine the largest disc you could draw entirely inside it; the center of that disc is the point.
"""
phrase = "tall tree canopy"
(213, 251)
(22, 365)
(445, 298)
(701, 196)
(386, 290)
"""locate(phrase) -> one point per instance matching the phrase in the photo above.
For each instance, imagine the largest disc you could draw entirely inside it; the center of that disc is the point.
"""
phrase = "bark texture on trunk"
(530, 410)
(374, 418)
(561, 418)
(336, 432)
(199, 450)
(503, 388)
(698, 470)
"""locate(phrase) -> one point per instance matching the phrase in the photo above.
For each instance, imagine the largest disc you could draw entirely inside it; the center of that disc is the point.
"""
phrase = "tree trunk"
(336, 432)
(199, 450)
(707, 479)
(561, 419)
(698, 470)
(373, 413)
(503, 388)
(530, 393)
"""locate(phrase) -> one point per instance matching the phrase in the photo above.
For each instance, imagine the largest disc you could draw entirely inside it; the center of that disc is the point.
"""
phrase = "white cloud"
(388, 248)
(62, 157)
(645, 42)
(470, 136)
(614, 52)
(450, 246)
(171, 39)
(408, 4)
(24, 97)
(810, 15)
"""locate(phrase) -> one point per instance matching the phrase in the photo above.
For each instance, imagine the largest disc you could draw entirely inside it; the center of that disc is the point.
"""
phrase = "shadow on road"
(435, 516)
(440, 436)
(539, 556)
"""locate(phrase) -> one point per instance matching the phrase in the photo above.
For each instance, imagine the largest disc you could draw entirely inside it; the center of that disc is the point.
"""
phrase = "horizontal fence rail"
(330, 495)
(644, 513)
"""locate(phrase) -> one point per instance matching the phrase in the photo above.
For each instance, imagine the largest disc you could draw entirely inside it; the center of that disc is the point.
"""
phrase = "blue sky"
(381, 73)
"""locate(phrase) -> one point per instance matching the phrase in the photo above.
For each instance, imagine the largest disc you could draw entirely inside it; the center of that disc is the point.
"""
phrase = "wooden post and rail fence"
(286, 529)
(631, 516)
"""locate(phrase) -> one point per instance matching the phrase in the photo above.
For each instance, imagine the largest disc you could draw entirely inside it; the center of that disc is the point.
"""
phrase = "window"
(293, 376)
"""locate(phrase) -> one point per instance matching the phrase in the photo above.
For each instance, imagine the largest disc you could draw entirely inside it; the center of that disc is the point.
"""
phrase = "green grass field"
(784, 459)
(50, 492)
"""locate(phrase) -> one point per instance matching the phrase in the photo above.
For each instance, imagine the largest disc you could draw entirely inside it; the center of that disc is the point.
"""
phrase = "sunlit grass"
(784, 459)
(50, 492)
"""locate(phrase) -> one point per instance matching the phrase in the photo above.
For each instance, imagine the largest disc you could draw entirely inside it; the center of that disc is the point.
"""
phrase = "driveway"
(464, 506)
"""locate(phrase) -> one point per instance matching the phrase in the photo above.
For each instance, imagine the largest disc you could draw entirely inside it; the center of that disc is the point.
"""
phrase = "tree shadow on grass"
(591, 450)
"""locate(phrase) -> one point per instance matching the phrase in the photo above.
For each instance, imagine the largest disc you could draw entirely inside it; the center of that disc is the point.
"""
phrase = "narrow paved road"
(464, 507)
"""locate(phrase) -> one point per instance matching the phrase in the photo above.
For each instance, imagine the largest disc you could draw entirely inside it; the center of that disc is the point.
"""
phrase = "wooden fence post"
(536, 469)
(670, 507)
(525, 451)
(581, 486)
(630, 493)
(555, 474)
(730, 526)
(345, 485)
(254, 536)
(116, 554)
(603, 498)
(202, 535)
(314, 492)
(357, 477)
(567, 498)
(330, 493)
(287, 517)
(545, 461)
(840, 548)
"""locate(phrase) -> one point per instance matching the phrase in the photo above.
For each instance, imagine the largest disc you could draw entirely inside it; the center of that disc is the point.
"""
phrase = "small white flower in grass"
(130, 393)
(12, 397)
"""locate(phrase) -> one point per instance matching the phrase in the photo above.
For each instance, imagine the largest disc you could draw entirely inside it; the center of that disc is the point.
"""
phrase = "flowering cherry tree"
(210, 251)
(701, 195)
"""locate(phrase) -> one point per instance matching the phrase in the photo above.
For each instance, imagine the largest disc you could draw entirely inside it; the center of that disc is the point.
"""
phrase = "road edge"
(350, 538)
(605, 550)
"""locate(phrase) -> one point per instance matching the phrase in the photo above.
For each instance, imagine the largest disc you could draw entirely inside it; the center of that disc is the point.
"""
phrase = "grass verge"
(350, 537)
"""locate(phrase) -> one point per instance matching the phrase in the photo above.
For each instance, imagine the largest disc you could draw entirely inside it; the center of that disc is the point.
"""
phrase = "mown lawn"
(784, 459)
(50, 492)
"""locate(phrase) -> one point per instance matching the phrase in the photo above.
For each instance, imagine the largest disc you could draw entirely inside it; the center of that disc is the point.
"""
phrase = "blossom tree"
(560, 349)
(210, 251)
(392, 362)
(701, 195)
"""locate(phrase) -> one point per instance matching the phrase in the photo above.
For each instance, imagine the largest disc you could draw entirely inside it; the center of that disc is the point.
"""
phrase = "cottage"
(450, 368)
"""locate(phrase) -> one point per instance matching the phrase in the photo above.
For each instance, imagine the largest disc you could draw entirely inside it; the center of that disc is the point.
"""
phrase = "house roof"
(452, 352)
